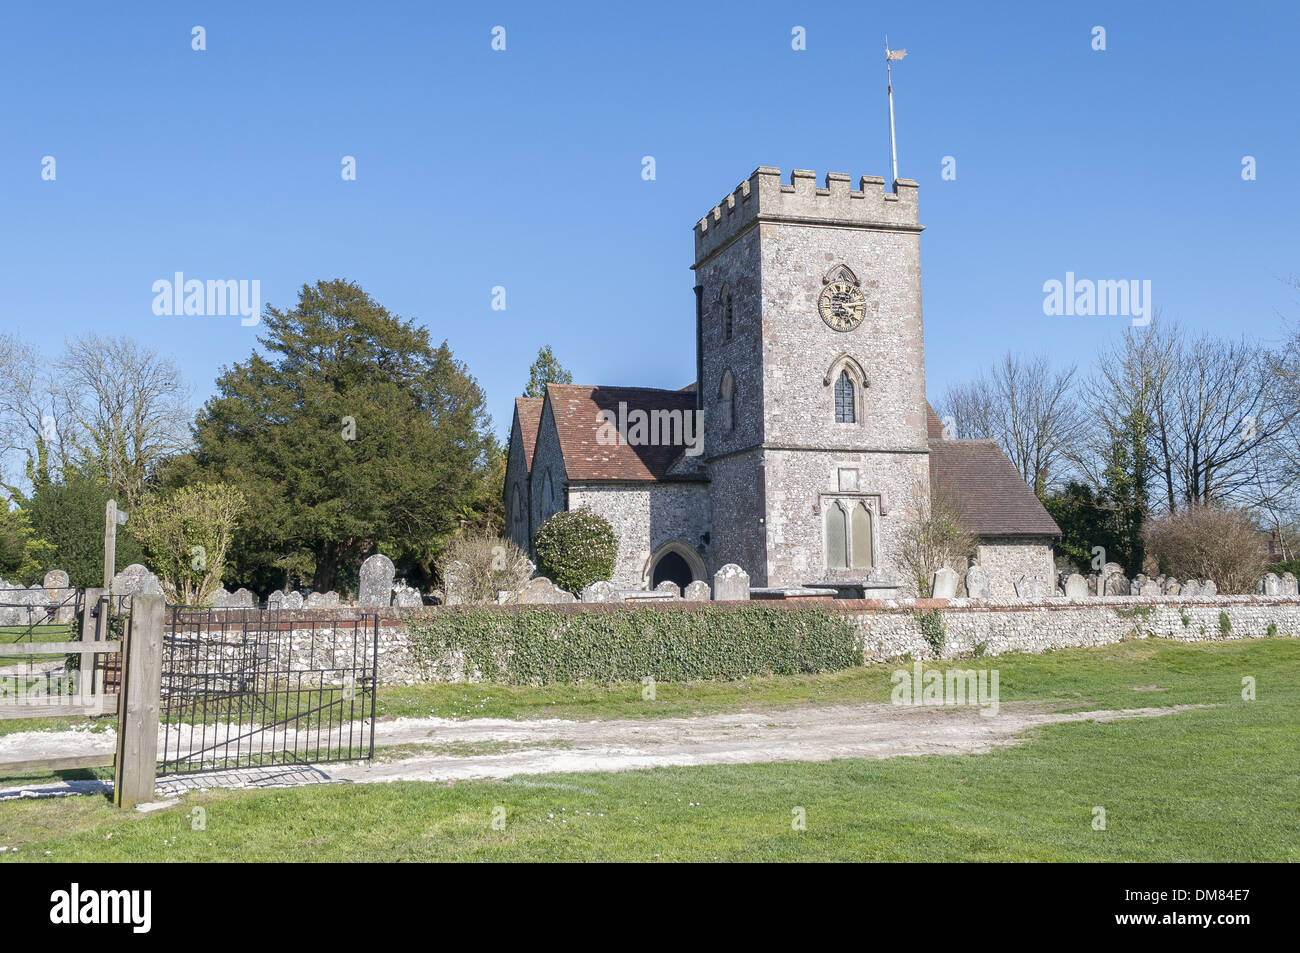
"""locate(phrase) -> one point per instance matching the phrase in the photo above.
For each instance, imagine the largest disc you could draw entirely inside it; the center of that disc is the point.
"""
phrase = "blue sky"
(522, 168)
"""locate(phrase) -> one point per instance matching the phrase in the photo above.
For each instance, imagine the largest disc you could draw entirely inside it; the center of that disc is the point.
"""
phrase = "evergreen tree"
(545, 370)
(352, 435)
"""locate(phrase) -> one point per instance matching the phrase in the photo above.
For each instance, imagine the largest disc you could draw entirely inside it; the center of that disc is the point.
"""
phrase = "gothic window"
(727, 320)
(861, 537)
(849, 535)
(727, 400)
(845, 408)
(837, 542)
(548, 495)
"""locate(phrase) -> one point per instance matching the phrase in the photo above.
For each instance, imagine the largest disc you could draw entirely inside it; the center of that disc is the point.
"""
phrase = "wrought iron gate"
(248, 688)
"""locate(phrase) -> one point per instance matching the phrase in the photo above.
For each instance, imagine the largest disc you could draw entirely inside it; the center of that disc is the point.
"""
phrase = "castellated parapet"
(763, 197)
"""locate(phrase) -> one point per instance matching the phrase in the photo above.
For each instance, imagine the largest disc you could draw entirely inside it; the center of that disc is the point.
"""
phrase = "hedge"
(538, 645)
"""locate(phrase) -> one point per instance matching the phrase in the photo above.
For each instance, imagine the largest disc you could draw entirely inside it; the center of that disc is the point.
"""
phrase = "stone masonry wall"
(645, 516)
(1007, 559)
(890, 630)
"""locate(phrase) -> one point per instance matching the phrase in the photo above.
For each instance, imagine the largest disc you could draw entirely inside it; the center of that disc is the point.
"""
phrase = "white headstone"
(730, 582)
(943, 584)
(977, 582)
(1076, 587)
(1270, 585)
(697, 591)
(136, 579)
(1290, 587)
(601, 591)
(669, 587)
(1031, 587)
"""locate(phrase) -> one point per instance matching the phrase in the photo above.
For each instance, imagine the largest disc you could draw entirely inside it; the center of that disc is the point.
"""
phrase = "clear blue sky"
(523, 168)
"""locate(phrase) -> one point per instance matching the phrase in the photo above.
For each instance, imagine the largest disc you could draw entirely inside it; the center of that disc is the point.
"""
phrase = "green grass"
(1218, 784)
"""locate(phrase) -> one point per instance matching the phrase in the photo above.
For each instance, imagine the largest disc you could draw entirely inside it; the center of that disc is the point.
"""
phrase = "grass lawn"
(1220, 783)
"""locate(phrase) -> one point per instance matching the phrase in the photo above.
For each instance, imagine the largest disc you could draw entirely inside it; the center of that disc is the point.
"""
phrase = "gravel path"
(500, 748)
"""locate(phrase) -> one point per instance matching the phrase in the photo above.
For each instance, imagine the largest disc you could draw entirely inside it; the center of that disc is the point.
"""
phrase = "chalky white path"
(550, 746)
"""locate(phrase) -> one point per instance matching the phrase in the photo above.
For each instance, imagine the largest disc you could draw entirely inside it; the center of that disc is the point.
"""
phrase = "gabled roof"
(996, 500)
(575, 409)
(529, 412)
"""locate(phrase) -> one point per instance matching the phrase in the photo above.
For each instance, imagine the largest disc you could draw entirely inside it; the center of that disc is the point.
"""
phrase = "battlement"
(764, 197)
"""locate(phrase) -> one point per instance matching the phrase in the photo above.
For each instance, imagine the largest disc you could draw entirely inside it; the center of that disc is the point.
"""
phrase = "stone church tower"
(811, 376)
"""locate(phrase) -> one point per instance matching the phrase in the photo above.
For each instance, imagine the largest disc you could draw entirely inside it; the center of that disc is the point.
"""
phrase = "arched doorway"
(672, 568)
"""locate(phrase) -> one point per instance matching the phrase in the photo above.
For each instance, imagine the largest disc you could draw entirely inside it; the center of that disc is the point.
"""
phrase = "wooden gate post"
(138, 702)
(94, 628)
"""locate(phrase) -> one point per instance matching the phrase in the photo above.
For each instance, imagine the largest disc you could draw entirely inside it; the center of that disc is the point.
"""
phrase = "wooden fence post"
(94, 628)
(138, 702)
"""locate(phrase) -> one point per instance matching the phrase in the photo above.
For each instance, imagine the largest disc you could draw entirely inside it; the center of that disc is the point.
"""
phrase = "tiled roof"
(996, 500)
(933, 426)
(529, 411)
(576, 407)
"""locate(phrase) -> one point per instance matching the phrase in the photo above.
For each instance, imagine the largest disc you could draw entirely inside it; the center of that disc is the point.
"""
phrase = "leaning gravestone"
(541, 591)
(1076, 587)
(977, 583)
(601, 591)
(669, 587)
(1290, 587)
(943, 584)
(697, 591)
(1270, 585)
(1031, 587)
(377, 574)
(730, 582)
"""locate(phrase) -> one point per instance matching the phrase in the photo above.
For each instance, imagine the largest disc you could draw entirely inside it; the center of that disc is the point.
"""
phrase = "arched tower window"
(845, 405)
(727, 400)
(728, 318)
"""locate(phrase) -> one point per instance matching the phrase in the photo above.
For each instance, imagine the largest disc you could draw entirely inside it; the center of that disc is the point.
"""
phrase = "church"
(806, 447)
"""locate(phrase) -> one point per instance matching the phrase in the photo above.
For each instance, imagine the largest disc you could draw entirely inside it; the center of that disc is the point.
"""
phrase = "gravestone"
(943, 584)
(136, 580)
(1173, 587)
(1270, 585)
(1031, 587)
(275, 600)
(377, 582)
(1191, 589)
(1290, 587)
(406, 597)
(1076, 587)
(293, 601)
(1209, 588)
(1118, 585)
(56, 584)
(453, 591)
(977, 583)
(314, 600)
(242, 598)
(698, 591)
(220, 598)
(601, 591)
(729, 583)
(669, 587)
(330, 600)
(541, 591)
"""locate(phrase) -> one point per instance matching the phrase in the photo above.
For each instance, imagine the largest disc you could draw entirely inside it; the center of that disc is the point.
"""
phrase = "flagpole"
(889, 86)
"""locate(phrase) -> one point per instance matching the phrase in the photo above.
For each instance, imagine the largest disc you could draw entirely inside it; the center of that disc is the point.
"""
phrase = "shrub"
(932, 630)
(1225, 625)
(1209, 542)
(538, 645)
(575, 549)
(488, 564)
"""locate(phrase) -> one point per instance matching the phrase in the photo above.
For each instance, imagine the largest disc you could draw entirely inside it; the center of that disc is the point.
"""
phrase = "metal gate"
(246, 688)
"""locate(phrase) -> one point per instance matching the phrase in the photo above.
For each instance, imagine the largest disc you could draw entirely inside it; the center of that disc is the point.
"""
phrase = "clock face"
(842, 306)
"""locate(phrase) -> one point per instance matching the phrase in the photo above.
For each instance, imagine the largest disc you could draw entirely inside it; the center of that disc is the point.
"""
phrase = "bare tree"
(935, 535)
(127, 408)
(1028, 408)
(34, 414)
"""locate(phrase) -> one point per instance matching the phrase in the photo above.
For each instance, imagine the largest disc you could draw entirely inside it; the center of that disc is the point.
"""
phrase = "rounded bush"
(575, 549)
